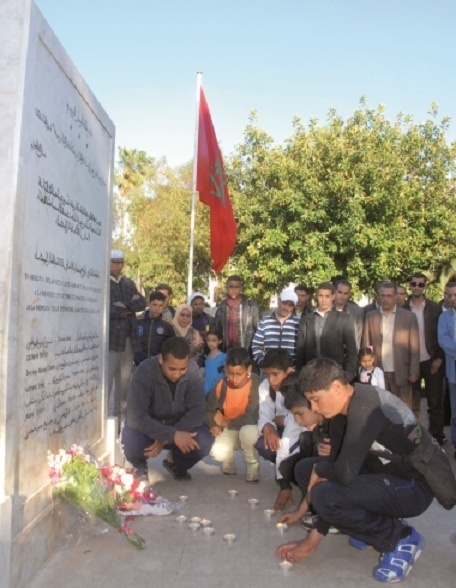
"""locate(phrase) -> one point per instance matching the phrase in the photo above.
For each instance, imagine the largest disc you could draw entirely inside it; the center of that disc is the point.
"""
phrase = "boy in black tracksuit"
(152, 331)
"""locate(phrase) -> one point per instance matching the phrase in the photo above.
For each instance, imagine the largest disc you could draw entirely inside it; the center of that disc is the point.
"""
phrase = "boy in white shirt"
(279, 432)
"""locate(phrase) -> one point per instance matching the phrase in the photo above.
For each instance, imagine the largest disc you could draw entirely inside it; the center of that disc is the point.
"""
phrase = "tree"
(134, 175)
(157, 202)
(364, 198)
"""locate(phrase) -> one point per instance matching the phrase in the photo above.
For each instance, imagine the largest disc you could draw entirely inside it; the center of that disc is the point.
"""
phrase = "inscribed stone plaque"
(58, 151)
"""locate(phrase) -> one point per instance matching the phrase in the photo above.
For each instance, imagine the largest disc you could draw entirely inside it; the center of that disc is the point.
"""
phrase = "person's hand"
(154, 449)
(185, 441)
(220, 420)
(412, 379)
(120, 305)
(271, 437)
(216, 431)
(290, 518)
(299, 549)
(284, 497)
(314, 480)
(134, 297)
(435, 365)
(324, 449)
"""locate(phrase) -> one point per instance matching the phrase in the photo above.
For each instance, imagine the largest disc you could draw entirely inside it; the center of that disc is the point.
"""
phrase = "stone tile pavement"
(96, 557)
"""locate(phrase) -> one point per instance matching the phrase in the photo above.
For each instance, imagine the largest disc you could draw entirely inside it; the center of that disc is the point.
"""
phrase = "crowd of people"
(330, 393)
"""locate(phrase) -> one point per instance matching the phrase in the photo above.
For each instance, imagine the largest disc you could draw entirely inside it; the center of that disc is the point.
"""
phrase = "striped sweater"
(272, 334)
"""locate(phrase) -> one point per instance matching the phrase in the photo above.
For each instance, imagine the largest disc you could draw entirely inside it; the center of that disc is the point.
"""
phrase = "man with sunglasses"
(125, 302)
(427, 315)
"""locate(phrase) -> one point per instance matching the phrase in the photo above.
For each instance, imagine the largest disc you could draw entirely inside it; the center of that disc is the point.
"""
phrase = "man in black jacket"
(165, 410)
(125, 302)
(236, 317)
(427, 313)
(327, 333)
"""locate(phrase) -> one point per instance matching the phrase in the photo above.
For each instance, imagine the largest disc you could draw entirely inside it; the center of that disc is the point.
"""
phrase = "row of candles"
(197, 523)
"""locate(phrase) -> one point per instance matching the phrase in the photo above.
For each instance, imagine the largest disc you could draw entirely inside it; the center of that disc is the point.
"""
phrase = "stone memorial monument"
(56, 164)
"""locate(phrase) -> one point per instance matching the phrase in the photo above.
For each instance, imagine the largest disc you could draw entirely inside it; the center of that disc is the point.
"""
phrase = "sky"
(282, 58)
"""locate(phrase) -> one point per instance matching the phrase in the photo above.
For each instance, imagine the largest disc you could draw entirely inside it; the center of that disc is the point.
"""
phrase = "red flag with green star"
(211, 184)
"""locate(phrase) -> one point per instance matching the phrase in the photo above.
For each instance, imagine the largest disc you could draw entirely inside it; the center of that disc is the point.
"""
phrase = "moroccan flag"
(211, 185)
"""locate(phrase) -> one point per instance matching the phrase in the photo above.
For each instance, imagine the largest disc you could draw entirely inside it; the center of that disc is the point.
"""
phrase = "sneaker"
(308, 521)
(229, 467)
(172, 470)
(394, 566)
(358, 544)
(251, 472)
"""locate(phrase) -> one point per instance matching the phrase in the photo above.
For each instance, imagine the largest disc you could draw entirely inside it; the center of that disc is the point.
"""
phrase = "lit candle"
(230, 538)
(181, 519)
(286, 566)
(194, 527)
(233, 493)
(269, 513)
(253, 502)
(282, 527)
(205, 522)
(208, 531)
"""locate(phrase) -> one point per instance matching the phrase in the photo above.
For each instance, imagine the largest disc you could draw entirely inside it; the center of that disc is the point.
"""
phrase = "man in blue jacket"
(447, 341)
(165, 410)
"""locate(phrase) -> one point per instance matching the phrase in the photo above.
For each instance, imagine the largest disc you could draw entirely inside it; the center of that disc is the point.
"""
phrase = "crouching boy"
(232, 414)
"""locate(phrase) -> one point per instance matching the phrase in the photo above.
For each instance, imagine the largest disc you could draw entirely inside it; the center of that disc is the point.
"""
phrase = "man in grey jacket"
(165, 410)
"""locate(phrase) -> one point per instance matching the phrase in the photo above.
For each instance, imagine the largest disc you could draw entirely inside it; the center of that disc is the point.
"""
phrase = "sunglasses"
(417, 284)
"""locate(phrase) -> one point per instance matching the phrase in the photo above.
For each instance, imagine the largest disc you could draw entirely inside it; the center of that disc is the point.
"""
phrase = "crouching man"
(165, 410)
(372, 485)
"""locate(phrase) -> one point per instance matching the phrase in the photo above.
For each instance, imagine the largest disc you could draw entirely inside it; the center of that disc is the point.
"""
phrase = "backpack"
(431, 461)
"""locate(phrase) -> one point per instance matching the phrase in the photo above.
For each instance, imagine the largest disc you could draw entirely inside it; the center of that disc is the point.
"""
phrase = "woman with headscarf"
(182, 323)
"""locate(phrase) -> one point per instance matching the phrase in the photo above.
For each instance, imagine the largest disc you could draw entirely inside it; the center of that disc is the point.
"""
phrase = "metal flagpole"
(199, 77)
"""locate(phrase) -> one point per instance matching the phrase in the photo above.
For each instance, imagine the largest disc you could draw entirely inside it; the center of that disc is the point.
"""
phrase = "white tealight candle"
(253, 502)
(181, 519)
(195, 519)
(233, 493)
(205, 522)
(183, 499)
(230, 538)
(286, 566)
(269, 513)
(208, 531)
(282, 527)
(194, 527)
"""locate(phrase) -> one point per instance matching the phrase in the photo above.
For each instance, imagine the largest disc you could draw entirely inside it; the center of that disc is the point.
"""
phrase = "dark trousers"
(303, 471)
(434, 394)
(370, 508)
(267, 454)
(134, 443)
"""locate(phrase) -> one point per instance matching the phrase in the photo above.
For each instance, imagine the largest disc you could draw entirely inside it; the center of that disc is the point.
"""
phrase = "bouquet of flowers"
(110, 493)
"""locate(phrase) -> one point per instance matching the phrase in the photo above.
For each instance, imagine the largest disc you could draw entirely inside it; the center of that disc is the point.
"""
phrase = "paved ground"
(94, 557)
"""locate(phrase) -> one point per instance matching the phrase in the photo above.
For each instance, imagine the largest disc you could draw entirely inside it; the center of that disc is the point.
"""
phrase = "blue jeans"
(134, 443)
(370, 508)
(452, 390)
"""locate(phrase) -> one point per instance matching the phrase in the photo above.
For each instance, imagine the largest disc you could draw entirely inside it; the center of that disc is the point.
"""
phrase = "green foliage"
(84, 488)
(365, 198)
(156, 202)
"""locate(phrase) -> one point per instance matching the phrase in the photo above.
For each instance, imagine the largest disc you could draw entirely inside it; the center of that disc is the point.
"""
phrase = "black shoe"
(441, 439)
(172, 470)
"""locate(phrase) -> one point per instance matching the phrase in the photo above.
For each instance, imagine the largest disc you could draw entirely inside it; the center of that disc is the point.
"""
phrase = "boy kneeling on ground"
(232, 414)
(278, 430)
